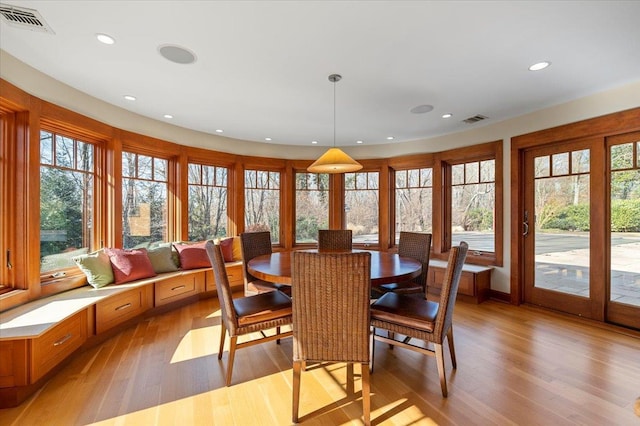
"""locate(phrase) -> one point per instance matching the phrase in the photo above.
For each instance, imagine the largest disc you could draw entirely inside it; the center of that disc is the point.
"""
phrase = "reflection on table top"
(385, 267)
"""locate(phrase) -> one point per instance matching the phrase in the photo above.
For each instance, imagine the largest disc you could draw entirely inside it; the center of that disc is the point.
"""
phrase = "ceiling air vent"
(475, 119)
(22, 17)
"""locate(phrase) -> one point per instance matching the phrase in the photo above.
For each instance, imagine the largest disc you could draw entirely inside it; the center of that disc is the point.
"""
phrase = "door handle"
(525, 224)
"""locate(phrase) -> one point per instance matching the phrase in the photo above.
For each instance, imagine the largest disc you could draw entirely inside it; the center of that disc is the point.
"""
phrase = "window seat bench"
(38, 336)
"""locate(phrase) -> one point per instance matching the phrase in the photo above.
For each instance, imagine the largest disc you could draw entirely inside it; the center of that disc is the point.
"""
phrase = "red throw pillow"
(129, 265)
(193, 256)
(227, 249)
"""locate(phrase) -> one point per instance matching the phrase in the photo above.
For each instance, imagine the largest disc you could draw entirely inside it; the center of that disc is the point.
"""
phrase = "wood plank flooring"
(516, 366)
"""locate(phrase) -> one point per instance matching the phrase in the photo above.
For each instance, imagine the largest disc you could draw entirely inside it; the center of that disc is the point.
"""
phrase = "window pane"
(362, 207)
(472, 172)
(64, 152)
(488, 171)
(160, 169)
(144, 202)
(262, 204)
(413, 180)
(312, 206)
(560, 164)
(46, 147)
(350, 181)
(194, 174)
(221, 176)
(622, 156)
(580, 161)
(542, 166)
(207, 206)
(144, 167)
(66, 203)
(85, 156)
(426, 177)
(472, 216)
(457, 174)
(401, 179)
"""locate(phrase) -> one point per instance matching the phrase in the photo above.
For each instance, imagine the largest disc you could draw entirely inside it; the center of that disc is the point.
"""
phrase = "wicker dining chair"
(416, 245)
(335, 239)
(255, 244)
(249, 314)
(331, 315)
(422, 319)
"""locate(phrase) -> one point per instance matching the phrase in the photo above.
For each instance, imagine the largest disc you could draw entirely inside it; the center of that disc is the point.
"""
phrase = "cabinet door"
(117, 309)
(55, 345)
(178, 288)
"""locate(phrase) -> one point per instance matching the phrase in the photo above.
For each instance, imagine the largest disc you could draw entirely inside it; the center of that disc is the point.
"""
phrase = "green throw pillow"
(97, 267)
(161, 258)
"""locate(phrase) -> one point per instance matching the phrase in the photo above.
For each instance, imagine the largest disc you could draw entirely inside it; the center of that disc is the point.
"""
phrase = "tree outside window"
(362, 205)
(413, 195)
(144, 200)
(207, 202)
(312, 206)
(262, 202)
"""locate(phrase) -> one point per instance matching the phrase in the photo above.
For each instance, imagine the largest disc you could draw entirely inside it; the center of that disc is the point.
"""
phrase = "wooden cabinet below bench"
(475, 282)
(180, 287)
(234, 275)
(117, 309)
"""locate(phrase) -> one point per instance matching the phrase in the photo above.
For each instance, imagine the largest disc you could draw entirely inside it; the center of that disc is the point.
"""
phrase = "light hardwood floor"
(516, 365)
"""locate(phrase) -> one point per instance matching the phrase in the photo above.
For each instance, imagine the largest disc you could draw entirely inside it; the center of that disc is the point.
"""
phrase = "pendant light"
(334, 160)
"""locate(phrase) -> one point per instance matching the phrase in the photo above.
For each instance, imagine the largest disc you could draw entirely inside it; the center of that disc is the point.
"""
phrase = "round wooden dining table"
(385, 267)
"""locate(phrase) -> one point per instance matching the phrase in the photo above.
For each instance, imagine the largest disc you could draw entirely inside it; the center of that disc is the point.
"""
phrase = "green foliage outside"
(625, 217)
(479, 219)
(60, 210)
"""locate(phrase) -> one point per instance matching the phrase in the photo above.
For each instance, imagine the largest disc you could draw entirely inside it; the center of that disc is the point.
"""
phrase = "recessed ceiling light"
(219, 131)
(539, 66)
(447, 115)
(130, 98)
(314, 142)
(359, 142)
(421, 109)
(104, 38)
(389, 138)
(267, 139)
(168, 116)
(177, 54)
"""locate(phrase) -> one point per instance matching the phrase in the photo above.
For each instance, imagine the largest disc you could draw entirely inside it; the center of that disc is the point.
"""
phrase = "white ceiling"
(262, 66)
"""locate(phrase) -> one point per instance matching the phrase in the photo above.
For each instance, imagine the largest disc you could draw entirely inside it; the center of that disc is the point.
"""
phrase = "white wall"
(612, 100)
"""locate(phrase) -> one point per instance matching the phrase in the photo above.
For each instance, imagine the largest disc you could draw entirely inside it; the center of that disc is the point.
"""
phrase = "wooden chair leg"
(297, 367)
(372, 349)
(440, 362)
(223, 334)
(277, 332)
(452, 350)
(366, 395)
(232, 354)
(350, 381)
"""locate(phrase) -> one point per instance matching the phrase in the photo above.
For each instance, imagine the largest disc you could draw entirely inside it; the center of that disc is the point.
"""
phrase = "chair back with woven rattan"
(335, 239)
(331, 306)
(254, 244)
(449, 289)
(416, 245)
(225, 296)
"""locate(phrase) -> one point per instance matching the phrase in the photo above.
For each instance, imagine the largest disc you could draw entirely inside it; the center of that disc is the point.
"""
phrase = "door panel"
(557, 224)
(623, 301)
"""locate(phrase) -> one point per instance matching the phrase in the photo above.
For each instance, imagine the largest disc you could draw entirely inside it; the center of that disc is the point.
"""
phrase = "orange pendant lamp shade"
(334, 161)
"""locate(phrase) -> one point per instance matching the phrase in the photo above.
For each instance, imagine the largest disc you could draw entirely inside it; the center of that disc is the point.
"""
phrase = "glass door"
(557, 228)
(623, 301)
